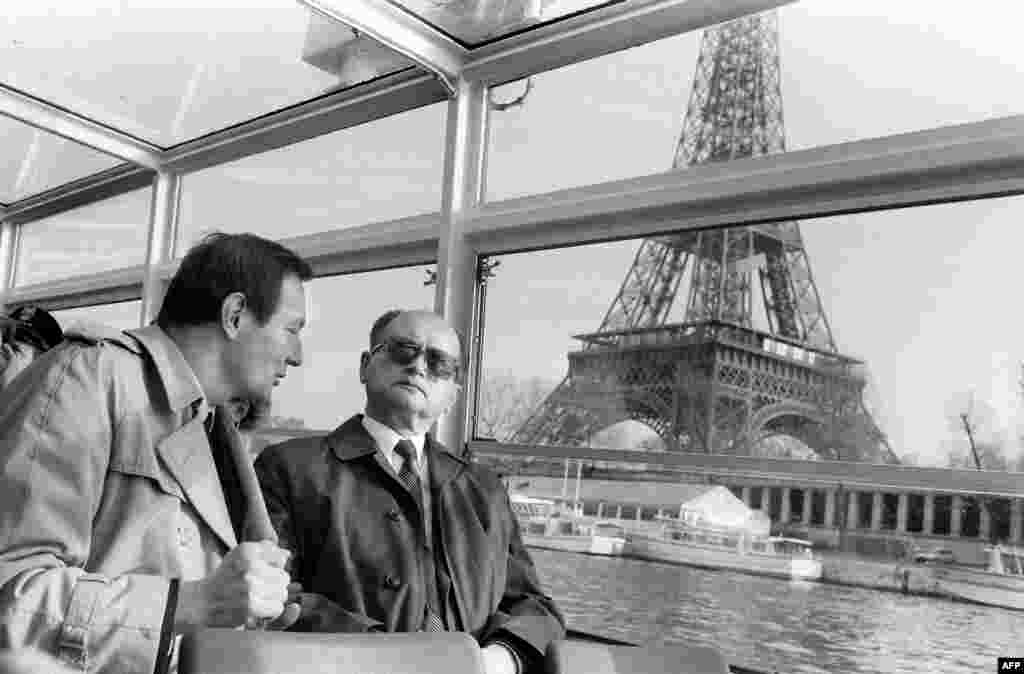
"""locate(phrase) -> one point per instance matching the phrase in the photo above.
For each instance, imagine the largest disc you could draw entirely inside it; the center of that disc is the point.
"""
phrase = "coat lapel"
(187, 455)
(444, 465)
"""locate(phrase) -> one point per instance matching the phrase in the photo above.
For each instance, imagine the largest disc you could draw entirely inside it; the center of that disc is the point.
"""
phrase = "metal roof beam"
(56, 120)
(400, 31)
(953, 163)
(599, 32)
(103, 185)
(387, 95)
(84, 290)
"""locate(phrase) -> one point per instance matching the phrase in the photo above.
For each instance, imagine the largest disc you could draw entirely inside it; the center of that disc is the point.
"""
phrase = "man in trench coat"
(123, 493)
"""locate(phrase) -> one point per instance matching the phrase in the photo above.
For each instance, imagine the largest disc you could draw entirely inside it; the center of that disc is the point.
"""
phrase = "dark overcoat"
(358, 547)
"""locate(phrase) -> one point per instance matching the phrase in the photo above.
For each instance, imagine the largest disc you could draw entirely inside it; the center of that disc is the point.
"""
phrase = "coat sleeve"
(527, 618)
(281, 493)
(57, 422)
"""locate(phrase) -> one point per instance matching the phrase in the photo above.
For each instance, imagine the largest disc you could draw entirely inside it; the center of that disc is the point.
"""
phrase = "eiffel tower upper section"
(734, 112)
(715, 382)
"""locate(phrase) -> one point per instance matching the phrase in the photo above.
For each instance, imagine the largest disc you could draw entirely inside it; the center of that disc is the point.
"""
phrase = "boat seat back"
(582, 657)
(226, 651)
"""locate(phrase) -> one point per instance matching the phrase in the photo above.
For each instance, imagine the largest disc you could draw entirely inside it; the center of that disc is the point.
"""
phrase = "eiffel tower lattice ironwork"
(714, 383)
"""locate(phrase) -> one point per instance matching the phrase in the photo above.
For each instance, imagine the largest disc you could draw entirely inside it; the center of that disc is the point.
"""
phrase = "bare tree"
(506, 401)
(974, 419)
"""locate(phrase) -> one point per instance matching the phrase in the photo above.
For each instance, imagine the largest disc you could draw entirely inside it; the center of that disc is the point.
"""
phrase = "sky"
(924, 296)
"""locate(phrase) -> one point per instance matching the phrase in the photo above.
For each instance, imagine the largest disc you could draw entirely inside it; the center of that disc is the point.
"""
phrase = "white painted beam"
(388, 95)
(951, 163)
(598, 32)
(400, 31)
(8, 258)
(160, 242)
(83, 290)
(56, 120)
(456, 291)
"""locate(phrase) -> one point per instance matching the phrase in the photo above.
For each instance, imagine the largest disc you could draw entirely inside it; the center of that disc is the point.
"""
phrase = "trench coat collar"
(350, 441)
(180, 382)
(187, 452)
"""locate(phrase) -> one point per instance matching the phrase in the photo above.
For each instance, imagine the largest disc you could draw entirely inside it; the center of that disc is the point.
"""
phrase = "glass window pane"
(891, 321)
(101, 236)
(191, 68)
(33, 161)
(325, 389)
(484, 20)
(383, 170)
(122, 315)
(748, 89)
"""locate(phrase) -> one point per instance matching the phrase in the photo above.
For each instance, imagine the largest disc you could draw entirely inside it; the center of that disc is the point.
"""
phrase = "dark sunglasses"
(401, 352)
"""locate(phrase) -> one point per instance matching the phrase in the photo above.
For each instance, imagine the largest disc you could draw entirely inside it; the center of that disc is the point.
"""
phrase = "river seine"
(776, 625)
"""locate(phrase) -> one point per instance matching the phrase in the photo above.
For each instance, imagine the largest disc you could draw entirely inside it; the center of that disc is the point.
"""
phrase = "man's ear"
(364, 362)
(232, 311)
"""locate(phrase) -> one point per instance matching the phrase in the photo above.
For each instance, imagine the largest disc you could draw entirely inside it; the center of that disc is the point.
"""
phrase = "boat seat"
(226, 651)
(583, 657)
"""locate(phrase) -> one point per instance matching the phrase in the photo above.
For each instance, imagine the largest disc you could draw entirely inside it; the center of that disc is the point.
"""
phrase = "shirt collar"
(387, 437)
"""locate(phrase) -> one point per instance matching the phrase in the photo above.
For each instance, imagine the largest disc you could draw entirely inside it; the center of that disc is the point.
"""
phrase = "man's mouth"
(410, 385)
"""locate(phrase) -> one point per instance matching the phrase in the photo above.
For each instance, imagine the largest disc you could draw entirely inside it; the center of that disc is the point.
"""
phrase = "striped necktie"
(407, 474)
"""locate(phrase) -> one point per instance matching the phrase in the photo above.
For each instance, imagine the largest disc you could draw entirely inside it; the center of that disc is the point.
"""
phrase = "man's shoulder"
(311, 447)
(92, 351)
(294, 452)
(483, 475)
(97, 335)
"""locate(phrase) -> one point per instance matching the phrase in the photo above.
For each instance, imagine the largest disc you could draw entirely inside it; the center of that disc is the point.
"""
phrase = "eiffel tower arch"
(712, 382)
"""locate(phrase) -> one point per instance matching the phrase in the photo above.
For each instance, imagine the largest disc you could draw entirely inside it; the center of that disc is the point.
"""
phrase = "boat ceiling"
(89, 86)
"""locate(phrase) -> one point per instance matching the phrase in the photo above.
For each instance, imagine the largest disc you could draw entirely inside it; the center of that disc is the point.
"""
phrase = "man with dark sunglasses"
(25, 334)
(389, 531)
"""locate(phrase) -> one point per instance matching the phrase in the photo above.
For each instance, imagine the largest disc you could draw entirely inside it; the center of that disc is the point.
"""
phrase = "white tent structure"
(718, 508)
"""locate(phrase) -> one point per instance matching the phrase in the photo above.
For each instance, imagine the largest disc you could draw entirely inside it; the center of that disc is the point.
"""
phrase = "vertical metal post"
(785, 508)
(455, 292)
(928, 526)
(163, 232)
(830, 508)
(808, 504)
(9, 235)
(956, 516)
(876, 510)
(579, 476)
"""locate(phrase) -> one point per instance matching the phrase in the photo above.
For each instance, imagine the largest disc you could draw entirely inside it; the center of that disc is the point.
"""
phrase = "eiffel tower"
(714, 383)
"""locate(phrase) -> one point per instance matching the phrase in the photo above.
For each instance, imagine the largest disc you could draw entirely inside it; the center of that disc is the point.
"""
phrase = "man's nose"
(295, 357)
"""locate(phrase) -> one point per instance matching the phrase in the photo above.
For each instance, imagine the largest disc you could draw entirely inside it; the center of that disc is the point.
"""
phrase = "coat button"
(391, 582)
(392, 515)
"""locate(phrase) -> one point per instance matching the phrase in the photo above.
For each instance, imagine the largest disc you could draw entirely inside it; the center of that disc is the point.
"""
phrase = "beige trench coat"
(107, 489)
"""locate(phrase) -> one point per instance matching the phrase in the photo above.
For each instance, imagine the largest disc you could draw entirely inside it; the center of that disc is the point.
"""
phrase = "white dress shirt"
(386, 439)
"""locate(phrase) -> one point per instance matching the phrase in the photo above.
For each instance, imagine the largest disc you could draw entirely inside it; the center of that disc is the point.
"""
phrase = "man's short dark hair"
(222, 264)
